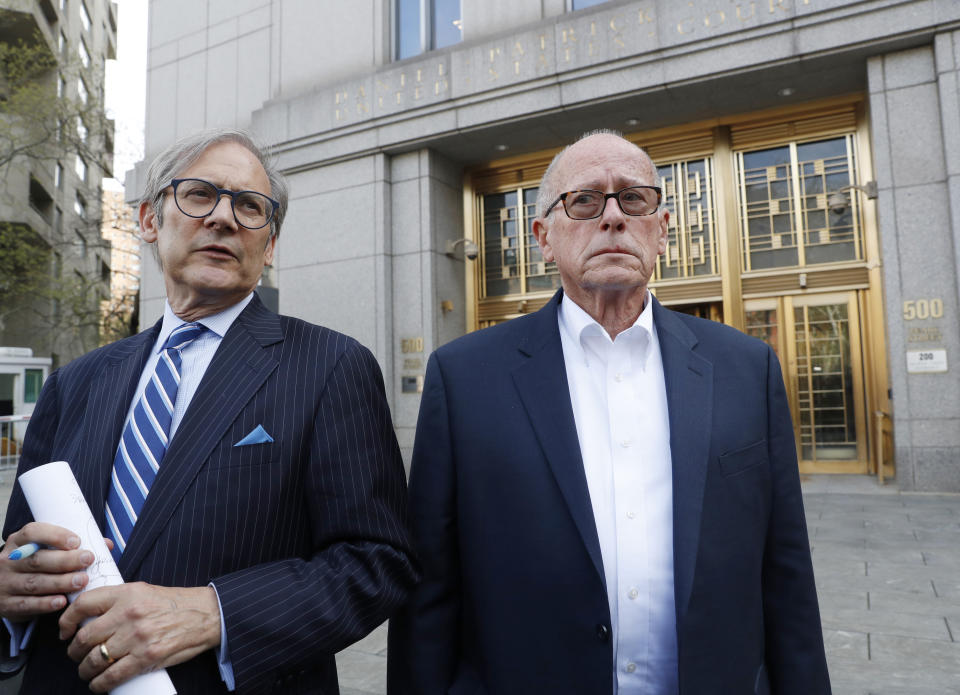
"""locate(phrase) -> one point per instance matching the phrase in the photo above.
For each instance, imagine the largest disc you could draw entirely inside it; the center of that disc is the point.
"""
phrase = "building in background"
(810, 151)
(119, 310)
(55, 147)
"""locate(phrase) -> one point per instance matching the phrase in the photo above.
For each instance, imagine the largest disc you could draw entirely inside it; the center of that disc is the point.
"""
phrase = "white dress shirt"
(619, 403)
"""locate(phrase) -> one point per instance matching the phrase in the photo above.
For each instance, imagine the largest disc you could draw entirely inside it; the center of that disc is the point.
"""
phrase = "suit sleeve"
(37, 445)
(795, 659)
(281, 615)
(424, 640)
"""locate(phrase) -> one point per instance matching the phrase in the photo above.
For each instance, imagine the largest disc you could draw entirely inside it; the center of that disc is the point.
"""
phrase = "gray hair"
(549, 186)
(184, 152)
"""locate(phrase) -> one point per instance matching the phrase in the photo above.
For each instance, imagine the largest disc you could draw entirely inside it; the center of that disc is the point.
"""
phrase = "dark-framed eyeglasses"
(198, 198)
(587, 205)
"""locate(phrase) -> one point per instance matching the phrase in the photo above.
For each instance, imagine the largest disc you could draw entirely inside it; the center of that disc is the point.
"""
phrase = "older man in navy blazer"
(268, 528)
(605, 493)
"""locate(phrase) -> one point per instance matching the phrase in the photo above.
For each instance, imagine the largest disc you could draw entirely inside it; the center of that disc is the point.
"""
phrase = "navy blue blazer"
(305, 538)
(513, 598)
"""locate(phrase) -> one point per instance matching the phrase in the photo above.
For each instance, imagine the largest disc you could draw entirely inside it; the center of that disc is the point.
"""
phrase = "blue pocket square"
(257, 436)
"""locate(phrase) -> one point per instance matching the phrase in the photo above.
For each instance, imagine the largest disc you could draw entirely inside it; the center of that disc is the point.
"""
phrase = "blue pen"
(24, 551)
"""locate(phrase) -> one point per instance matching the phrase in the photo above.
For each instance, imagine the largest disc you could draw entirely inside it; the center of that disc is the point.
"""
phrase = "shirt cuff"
(20, 634)
(223, 653)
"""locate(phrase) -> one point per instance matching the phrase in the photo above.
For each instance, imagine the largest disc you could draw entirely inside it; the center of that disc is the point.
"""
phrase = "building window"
(574, 5)
(81, 168)
(58, 176)
(61, 86)
(785, 218)
(82, 131)
(62, 43)
(40, 200)
(80, 207)
(32, 382)
(49, 13)
(84, 54)
(82, 92)
(512, 261)
(85, 17)
(424, 25)
(81, 245)
(692, 234)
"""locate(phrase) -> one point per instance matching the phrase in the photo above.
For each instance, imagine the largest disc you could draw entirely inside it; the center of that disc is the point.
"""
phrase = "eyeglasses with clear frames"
(198, 198)
(588, 205)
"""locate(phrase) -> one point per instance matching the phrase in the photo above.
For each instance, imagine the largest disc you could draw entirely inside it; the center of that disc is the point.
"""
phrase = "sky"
(126, 88)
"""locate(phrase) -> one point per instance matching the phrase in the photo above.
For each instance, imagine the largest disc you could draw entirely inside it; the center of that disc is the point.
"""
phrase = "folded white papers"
(55, 498)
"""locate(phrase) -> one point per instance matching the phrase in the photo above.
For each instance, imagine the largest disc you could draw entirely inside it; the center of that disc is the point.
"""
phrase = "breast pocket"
(230, 456)
(742, 460)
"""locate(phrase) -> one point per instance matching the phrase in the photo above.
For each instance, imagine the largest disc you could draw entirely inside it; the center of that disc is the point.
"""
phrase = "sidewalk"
(888, 576)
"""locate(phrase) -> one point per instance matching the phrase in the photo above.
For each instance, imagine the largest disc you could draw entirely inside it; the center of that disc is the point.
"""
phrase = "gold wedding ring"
(106, 654)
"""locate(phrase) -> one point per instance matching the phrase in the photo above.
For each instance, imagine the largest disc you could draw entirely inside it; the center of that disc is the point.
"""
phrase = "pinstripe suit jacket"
(304, 538)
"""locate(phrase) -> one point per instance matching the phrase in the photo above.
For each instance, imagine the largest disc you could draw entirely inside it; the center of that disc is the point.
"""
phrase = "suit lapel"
(238, 369)
(106, 410)
(541, 380)
(689, 383)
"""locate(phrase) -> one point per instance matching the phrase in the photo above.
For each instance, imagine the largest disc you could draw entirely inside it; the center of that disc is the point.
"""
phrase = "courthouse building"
(809, 149)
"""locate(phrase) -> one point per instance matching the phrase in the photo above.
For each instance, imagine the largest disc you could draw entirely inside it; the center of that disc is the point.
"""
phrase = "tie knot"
(183, 336)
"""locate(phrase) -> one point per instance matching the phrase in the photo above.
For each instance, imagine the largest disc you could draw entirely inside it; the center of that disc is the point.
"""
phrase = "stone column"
(333, 255)
(909, 93)
(427, 211)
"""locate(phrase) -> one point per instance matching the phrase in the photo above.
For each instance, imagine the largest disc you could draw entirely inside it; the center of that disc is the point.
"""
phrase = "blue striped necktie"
(145, 440)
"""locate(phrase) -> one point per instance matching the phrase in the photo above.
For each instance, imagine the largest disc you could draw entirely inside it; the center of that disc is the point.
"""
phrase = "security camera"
(837, 202)
(470, 249)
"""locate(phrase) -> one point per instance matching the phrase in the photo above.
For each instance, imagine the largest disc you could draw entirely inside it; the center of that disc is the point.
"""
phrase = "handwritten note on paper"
(55, 498)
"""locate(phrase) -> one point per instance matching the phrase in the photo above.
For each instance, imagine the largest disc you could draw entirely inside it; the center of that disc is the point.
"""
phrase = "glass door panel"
(762, 321)
(824, 383)
(817, 339)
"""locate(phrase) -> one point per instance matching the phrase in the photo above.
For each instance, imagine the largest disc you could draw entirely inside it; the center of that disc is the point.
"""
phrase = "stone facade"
(377, 150)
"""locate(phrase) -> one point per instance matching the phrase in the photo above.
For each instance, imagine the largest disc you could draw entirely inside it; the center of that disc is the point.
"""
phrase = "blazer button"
(603, 633)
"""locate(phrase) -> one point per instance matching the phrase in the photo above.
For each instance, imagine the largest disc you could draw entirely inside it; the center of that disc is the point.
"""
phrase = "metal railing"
(12, 429)
(884, 443)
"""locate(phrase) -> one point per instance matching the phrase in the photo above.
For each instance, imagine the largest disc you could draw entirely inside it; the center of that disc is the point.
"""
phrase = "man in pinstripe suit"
(274, 532)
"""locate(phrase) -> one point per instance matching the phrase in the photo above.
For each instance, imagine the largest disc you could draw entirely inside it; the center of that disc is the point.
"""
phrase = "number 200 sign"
(922, 309)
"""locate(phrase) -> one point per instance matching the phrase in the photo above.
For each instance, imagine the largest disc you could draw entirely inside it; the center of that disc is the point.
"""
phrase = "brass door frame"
(787, 351)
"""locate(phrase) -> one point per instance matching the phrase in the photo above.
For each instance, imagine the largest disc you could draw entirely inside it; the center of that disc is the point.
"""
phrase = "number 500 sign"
(922, 309)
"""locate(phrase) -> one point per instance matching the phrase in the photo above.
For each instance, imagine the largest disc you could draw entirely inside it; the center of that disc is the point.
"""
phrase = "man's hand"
(144, 628)
(39, 584)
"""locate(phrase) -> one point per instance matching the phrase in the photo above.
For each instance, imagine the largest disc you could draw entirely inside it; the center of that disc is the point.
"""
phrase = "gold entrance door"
(817, 338)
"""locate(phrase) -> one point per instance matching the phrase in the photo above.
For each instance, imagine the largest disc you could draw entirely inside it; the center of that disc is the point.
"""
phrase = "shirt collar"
(218, 323)
(579, 324)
